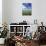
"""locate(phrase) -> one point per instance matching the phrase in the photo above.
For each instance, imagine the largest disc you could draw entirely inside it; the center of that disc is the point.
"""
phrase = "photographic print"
(26, 9)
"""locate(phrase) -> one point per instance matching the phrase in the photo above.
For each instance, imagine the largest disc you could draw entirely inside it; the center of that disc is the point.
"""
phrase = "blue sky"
(27, 5)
